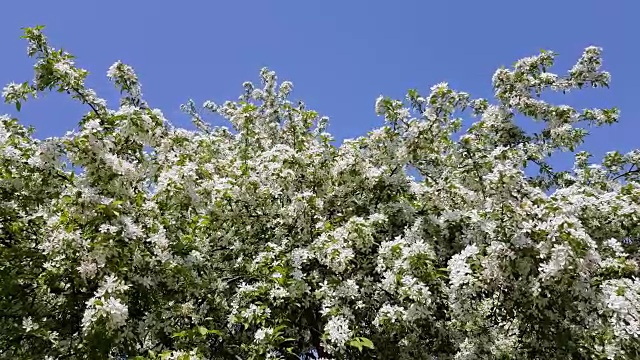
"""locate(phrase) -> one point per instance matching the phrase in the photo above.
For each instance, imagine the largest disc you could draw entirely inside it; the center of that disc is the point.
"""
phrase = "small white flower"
(337, 329)
(262, 333)
(28, 324)
(380, 105)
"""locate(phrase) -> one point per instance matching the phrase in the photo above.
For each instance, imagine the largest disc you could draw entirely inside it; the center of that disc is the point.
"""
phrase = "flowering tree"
(132, 238)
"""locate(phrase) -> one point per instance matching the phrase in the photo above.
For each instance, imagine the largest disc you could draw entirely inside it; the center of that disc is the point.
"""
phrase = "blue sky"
(340, 55)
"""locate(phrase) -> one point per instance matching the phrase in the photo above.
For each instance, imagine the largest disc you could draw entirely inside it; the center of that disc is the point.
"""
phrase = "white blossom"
(428, 236)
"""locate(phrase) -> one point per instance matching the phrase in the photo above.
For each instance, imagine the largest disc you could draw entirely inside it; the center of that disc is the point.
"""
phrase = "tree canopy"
(131, 238)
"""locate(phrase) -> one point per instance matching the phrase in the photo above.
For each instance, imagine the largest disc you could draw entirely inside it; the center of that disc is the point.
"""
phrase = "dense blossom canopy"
(131, 238)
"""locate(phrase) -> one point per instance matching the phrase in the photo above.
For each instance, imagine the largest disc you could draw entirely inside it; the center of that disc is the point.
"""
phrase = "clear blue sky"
(340, 55)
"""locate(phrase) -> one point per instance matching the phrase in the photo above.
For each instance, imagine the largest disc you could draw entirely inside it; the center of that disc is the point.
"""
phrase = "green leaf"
(180, 334)
(202, 330)
(215, 332)
(355, 343)
(361, 342)
(367, 343)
